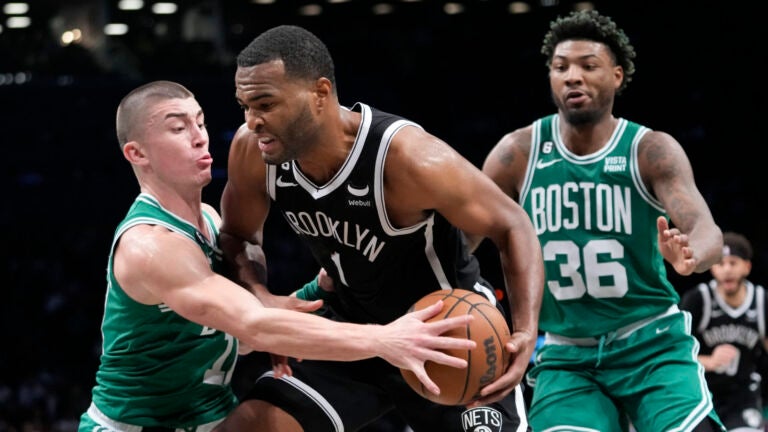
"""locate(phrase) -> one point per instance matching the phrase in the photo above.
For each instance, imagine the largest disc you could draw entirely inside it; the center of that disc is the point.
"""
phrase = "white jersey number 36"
(587, 271)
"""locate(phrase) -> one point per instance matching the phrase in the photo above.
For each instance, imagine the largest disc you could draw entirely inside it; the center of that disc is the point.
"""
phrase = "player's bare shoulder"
(135, 260)
(412, 144)
(513, 148)
(660, 155)
(507, 162)
(420, 172)
(241, 141)
(415, 155)
(245, 163)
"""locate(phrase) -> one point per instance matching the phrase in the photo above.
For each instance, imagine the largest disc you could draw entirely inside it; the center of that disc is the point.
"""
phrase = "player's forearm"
(308, 336)
(216, 303)
(706, 240)
(247, 263)
(524, 292)
(706, 362)
(523, 268)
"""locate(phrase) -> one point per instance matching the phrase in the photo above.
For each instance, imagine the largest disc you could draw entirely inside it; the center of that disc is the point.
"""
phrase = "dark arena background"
(469, 71)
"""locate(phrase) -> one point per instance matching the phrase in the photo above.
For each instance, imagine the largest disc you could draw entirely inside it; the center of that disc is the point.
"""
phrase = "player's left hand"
(280, 365)
(520, 347)
(674, 247)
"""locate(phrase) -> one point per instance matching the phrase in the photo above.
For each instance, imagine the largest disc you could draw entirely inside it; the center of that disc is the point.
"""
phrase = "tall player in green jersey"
(600, 191)
(171, 324)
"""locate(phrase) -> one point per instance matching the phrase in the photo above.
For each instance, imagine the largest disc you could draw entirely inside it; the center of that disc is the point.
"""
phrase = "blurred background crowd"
(467, 70)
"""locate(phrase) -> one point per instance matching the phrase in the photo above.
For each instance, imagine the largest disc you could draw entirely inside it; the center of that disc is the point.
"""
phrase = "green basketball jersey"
(158, 368)
(596, 223)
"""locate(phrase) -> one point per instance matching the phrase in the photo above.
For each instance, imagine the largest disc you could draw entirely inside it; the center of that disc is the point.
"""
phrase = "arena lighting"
(585, 5)
(16, 8)
(263, 2)
(519, 7)
(115, 29)
(18, 22)
(452, 8)
(382, 9)
(130, 4)
(311, 10)
(164, 8)
(71, 36)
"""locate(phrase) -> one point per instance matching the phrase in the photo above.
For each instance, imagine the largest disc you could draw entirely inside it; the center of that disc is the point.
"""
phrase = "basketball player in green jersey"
(171, 324)
(600, 191)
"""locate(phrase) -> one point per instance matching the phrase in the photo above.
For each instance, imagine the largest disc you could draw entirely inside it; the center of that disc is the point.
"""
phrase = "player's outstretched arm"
(156, 266)
(694, 242)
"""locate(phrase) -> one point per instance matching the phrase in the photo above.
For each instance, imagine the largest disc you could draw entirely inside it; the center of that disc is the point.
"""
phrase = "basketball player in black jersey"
(729, 319)
(380, 202)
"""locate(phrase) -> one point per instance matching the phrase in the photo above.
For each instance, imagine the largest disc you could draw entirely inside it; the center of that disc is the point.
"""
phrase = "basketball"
(485, 363)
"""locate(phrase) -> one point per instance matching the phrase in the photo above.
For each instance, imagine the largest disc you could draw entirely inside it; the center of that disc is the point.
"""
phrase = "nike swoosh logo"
(662, 330)
(358, 191)
(541, 164)
(283, 183)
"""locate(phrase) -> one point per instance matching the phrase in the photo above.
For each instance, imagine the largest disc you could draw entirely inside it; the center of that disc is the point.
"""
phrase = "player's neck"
(186, 205)
(734, 298)
(324, 160)
(588, 138)
(320, 167)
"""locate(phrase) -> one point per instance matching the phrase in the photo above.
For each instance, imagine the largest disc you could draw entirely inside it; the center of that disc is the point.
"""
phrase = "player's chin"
(273, 158)
(205, 177)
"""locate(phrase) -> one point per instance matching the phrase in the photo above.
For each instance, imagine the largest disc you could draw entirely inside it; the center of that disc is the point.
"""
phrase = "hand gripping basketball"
(485, 363)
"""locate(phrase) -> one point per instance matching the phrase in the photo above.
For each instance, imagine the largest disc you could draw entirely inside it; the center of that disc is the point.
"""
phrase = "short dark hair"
(303, 54)
(736, 244)
(590, 25)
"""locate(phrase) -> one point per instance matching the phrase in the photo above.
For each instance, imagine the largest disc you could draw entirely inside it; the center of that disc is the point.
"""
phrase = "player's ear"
(618, 76)
(323, 90)
(134, 153)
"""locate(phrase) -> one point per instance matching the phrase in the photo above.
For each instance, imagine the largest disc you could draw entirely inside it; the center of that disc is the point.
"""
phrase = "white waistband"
(95, 413)
(618, 334)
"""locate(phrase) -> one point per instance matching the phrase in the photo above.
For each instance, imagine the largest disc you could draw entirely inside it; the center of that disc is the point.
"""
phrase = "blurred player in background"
(729, 319)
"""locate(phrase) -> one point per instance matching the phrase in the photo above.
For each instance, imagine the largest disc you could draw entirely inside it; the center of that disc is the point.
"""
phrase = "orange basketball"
(486, 362)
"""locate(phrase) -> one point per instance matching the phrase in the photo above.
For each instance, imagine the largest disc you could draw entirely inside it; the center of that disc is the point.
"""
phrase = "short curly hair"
(590, 25)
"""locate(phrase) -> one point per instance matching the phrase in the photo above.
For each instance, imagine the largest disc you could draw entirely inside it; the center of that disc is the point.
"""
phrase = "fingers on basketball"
(485, 363)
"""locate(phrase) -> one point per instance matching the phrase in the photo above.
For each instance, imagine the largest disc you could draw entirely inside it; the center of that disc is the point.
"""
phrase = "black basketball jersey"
(379, 269)
(714, 322)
